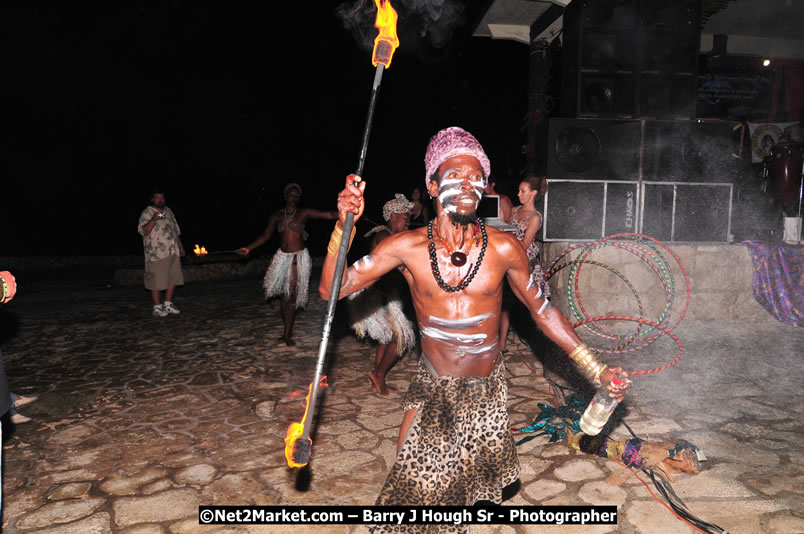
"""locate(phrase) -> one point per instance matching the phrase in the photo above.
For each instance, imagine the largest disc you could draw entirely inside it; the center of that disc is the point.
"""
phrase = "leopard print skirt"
(459, 448)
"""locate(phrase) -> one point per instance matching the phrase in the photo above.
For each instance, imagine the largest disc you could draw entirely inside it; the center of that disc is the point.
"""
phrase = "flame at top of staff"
(200, 251)
(387, 40)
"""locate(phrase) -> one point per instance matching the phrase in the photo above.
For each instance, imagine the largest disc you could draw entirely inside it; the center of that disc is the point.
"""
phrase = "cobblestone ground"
(141, 420)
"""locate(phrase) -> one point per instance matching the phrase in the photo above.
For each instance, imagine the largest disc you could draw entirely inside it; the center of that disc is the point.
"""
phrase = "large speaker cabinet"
(630, 58)
(667, 179)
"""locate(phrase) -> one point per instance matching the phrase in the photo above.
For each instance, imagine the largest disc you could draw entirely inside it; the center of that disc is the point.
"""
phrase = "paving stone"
(602, 493)
(735, 515)
(72, 461)
(714, 482)
(650, 517)
(72, 435)
(550, 451)
(655, 428)
(530, 467)
(265, 409)
(576, 470)
(344, 462)
(196, 474)
(143, 529)
(191, 526)
(21, 501)
(165, 506)
(120, 484)
(156, 486)
(542, 489)
(232, 488)
(60, 512)
(182, 459)
(203, 401)
(73, 475)
(70, 491)
(784, 523)
(99, 523)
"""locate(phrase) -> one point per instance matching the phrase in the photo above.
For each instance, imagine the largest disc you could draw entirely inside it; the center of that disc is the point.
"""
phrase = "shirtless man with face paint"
(455, 446)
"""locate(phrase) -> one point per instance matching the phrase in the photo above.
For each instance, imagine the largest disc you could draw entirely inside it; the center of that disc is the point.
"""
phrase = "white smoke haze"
(423, 25)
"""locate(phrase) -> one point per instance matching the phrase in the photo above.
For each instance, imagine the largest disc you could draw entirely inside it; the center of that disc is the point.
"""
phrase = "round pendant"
(458, 259)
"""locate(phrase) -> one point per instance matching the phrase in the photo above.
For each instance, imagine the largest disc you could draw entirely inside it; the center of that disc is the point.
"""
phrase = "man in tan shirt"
(160, 238)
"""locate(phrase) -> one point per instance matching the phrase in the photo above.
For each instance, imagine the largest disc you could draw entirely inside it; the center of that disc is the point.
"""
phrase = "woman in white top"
(527, 220)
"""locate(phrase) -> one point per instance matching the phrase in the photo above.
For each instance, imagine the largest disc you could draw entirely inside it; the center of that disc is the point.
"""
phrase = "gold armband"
(335, 240)
(585, 358)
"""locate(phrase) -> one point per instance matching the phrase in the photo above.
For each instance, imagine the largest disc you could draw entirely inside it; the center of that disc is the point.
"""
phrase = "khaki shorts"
(161, 274)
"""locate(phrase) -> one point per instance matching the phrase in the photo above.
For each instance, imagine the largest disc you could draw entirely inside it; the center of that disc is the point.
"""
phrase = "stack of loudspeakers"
(666, 179)
(631, 58)
(631, 156)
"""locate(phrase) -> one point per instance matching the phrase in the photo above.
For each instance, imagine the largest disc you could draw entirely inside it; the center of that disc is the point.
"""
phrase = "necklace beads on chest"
(455, 257)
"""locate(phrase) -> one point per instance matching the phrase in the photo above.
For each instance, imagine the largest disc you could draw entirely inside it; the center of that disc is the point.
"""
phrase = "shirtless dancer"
(455, 446)
(379, 311)
(289, 273)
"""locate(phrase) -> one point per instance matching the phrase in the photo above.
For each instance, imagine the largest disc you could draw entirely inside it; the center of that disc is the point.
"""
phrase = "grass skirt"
(380, 315)
(278, 276)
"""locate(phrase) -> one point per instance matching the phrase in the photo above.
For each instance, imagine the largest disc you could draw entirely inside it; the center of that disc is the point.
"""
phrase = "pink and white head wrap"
(399, 204)
(449, 143)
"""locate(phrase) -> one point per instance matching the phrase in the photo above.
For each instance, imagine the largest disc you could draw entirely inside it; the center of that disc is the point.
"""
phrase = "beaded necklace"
(472, 271)
(457, 258)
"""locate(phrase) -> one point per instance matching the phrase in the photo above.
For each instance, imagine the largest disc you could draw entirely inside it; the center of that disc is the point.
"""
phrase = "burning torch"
(297, 451)
(202, 251)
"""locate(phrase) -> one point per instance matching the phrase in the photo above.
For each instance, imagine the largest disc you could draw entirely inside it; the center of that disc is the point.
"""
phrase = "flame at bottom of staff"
(200, 251)
(295, 430)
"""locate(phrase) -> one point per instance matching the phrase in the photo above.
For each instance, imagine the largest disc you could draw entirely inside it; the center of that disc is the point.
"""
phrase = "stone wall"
(208, 268)
(720, 278)
(46, 263)
(128, 270)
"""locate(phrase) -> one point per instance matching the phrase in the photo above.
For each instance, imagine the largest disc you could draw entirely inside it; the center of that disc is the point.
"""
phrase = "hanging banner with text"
(740, 95)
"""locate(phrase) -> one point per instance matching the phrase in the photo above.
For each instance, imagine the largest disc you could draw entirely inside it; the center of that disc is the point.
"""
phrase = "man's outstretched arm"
(556, 327)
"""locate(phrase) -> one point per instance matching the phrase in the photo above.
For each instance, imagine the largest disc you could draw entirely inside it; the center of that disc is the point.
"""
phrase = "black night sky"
(221, 107)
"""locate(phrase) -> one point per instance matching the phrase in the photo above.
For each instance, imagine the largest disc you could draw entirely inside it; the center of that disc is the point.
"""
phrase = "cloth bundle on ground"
(679, 457)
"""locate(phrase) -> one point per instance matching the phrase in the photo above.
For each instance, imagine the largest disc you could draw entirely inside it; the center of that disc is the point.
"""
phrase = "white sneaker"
(159, 311)
(170, 308)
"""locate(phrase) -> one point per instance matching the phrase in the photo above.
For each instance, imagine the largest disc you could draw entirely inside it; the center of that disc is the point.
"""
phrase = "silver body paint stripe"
(460, 323)
(366, 262)
(482, 348)
(531, 283)
(441, 335)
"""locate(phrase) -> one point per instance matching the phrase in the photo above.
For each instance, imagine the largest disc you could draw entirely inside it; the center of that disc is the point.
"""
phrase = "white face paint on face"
(452, 190)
